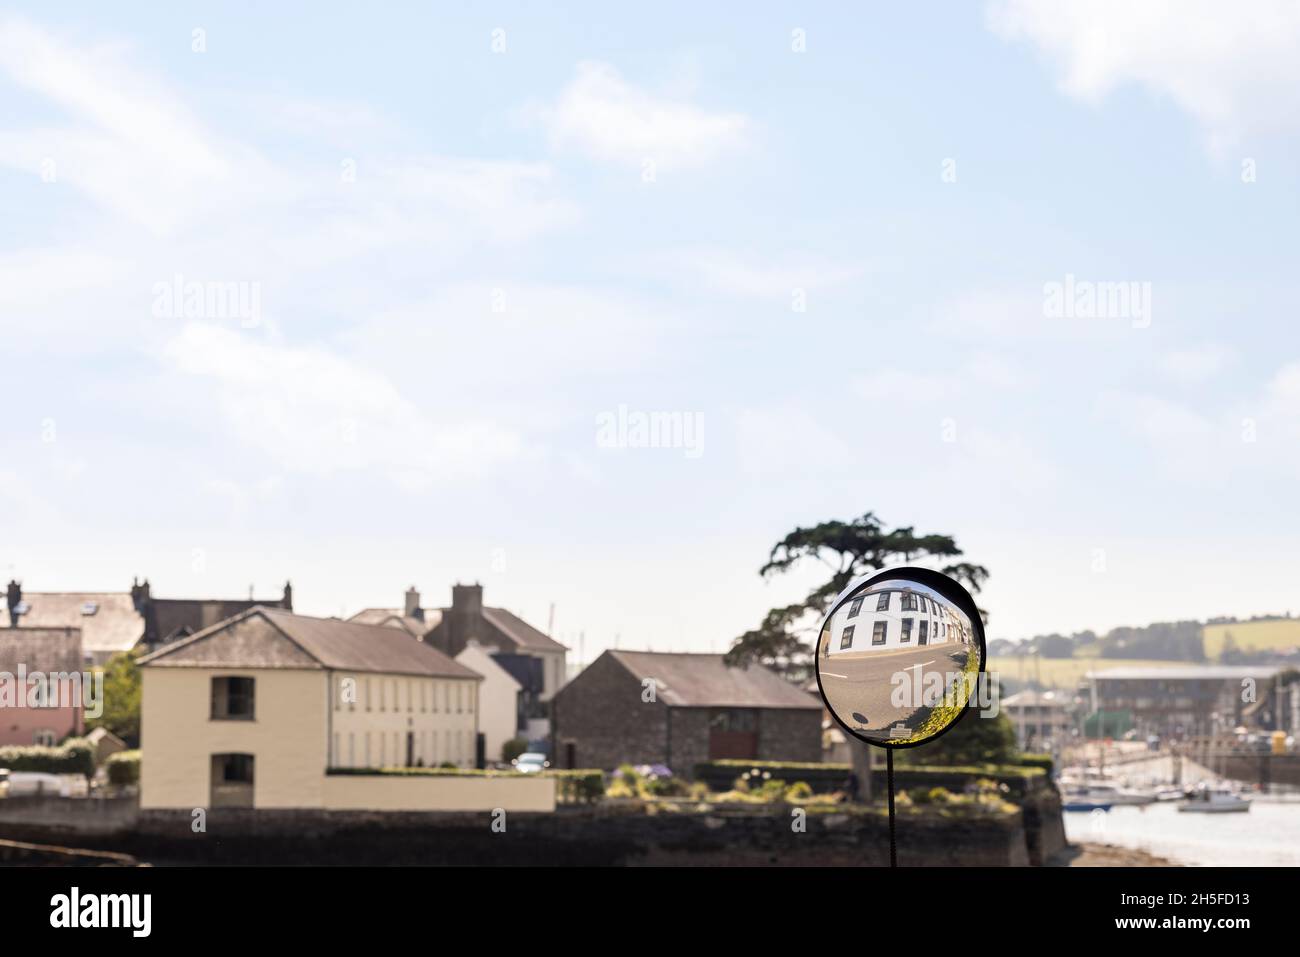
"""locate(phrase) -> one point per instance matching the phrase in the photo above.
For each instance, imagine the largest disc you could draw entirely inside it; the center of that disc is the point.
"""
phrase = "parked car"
(27, 783)
(4, 782)
(530, 762)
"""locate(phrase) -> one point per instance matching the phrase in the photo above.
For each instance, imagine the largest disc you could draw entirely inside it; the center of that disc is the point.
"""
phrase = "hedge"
(123, 768)
(74, 756)
(580, 785)
(1043, 761)
(823, 778)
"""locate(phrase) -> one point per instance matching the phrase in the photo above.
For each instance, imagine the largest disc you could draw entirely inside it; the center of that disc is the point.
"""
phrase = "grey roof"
(520, 632)
(257, 639)
(1029, 698)
(40, 649)
(698, 680)
(1186, 672)
(396, 618)
(113, 625)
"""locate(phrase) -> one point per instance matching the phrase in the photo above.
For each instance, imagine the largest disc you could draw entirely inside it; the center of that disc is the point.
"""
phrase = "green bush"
(1043, 761)
(123, 768)
(74, 756)
(512, 749)
(799, 791)
(578, 786)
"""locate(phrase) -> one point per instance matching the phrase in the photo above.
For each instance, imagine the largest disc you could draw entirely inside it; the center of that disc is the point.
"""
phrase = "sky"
(368, 297)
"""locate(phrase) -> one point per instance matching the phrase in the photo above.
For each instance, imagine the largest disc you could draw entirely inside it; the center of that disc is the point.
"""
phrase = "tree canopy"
(783, 639)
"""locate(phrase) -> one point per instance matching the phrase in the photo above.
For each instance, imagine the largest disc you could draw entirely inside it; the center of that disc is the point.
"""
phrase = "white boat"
(1097, 795)
(1214, 801)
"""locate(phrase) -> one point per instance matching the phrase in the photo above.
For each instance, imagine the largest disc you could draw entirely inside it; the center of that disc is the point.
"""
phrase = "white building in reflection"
(893, 616)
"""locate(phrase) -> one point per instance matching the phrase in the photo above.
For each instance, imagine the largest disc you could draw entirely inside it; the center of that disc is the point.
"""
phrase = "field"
(1064, 672)
(1251, 635)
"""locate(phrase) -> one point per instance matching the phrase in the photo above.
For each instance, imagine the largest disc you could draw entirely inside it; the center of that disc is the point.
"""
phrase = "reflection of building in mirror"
(890, 616)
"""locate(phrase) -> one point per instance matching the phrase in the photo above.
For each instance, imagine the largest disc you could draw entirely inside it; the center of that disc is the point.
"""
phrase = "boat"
(1214, 801)
(1087, 797)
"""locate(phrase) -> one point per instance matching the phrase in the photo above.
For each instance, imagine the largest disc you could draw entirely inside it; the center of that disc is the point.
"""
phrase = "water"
(1268, 835)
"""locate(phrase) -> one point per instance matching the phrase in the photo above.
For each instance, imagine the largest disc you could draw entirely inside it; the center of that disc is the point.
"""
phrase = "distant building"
(253, 711)
(890, 616)
(643, 707)
(1041, 718)
(499, 715)
(41, 690)
(534, 659)
(1177, 700)
(113, 622)
(105, 743)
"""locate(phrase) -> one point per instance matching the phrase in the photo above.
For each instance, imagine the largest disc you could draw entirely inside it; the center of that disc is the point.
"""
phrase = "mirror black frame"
(946, 586)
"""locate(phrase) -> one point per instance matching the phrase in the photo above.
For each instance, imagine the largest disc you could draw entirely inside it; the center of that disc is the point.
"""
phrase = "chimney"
(413, 609)
(15, 599)
(466, 600)
(464, 619)
(287, 601)
(139, 594)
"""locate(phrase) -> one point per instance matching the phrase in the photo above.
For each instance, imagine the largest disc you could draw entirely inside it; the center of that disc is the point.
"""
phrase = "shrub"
(123, 768)
(74, 756)
(512, 749)
(799, 791)
(579, 786)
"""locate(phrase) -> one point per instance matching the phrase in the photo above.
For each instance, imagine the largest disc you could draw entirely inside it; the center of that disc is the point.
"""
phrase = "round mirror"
(899, 655)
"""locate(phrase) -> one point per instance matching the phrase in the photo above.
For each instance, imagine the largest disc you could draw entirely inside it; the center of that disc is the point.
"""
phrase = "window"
(854, 607)
(368, 764)
(446, 696)
(473, 695)
(410, 696)
(232, 699)
(335, 754)
(882, 604)
(367, 694)
(909, 601)
(383, 695)
(352, 749)
(460, 700)
(44, 737)
(878, 633)
(907, 630)
(846, 637)
(924, 633)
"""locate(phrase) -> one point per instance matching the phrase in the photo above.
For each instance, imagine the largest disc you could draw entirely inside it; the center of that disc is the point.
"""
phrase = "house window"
(854, 607)
(367, 694)
(878, 633)
(383, 695)
(232, 699)
(882, 603)
(846, 637)
(909, 601)
(907, 630)
(44, 737)
(924, 632)
(446, 696)
(460, 692)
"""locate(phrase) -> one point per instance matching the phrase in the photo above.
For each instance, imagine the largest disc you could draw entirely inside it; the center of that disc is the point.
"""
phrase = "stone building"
(643, 707)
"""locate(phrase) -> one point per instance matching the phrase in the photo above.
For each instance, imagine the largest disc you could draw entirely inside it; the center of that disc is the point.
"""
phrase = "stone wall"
(604, 835)
(602, 713)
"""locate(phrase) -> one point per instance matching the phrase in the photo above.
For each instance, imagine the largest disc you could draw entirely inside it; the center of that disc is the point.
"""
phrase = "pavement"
(859, 686)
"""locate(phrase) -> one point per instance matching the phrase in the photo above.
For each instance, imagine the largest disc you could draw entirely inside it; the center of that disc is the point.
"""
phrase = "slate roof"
(114, 625)
(257, 639)
(519, 631)
(698, 680)
(40, 649)
(394, 618)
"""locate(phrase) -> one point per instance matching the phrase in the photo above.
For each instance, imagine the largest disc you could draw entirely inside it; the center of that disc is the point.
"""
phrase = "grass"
(1253, 635)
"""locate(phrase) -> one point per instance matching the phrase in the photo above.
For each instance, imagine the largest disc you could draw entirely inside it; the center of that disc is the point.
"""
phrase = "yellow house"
(255, 710)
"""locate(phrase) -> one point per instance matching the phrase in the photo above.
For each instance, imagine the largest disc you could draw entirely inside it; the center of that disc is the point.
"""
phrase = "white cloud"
(1196, 364)
(899, 385)
(1235, 67)
(316, 413)
(776, 277)
(601, 114)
